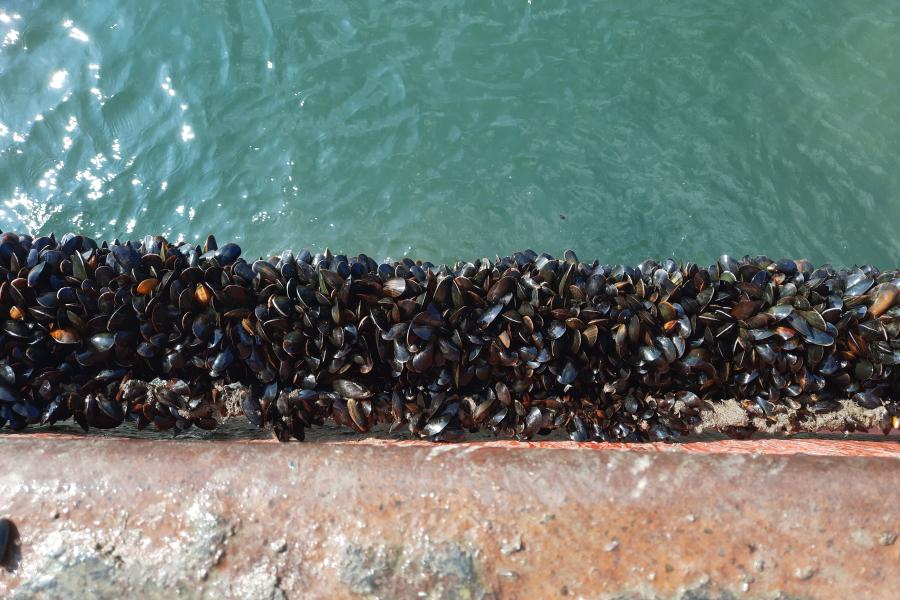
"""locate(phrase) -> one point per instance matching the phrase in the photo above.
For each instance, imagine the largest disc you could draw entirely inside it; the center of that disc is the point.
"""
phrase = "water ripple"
(457, 129)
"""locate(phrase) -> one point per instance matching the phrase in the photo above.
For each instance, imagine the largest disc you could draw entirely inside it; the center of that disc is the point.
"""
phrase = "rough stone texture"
(257, 519)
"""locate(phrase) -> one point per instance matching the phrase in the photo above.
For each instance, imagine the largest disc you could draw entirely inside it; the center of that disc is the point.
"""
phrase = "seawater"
(452, 129)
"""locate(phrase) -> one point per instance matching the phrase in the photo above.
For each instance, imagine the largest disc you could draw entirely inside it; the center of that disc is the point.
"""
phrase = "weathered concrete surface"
(254, 519)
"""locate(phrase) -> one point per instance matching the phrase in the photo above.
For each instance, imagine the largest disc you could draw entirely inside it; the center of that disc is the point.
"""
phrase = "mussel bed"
(178, 336)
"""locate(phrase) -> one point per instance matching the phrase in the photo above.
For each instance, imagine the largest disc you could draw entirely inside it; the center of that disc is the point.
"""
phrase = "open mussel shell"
(66, 337)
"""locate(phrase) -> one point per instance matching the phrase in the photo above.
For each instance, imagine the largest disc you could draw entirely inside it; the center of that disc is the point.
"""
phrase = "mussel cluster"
(160, 333)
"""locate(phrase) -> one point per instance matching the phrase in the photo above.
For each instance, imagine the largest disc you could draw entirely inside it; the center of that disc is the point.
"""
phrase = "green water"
(450, 129)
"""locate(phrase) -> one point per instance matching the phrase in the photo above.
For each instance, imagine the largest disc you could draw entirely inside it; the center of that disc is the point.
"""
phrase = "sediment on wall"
(728, 415)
